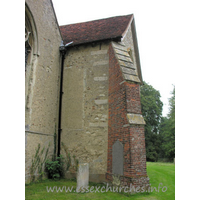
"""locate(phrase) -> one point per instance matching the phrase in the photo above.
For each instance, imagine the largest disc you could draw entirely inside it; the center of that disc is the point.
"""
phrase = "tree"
(168, 131)
(152, 113)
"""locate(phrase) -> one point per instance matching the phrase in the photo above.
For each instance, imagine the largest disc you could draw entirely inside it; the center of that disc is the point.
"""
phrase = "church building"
(83, 93)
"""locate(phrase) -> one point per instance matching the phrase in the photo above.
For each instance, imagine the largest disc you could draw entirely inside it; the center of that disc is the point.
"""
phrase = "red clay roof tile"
(103, 29)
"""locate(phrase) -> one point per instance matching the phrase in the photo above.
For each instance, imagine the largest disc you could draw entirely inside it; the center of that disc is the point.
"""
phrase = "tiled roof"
(103, 29)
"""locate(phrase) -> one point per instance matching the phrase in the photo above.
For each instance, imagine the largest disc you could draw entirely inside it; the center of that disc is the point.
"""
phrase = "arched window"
(31, 39)
(31, 57)
(27, 45)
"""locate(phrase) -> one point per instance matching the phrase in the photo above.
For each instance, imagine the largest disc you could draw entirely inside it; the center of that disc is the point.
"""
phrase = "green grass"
(158, 173)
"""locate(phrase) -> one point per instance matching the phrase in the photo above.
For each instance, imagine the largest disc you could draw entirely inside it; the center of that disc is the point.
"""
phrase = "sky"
(162, 28)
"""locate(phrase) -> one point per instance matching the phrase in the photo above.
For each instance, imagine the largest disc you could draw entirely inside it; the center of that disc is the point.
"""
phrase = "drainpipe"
(63, 50)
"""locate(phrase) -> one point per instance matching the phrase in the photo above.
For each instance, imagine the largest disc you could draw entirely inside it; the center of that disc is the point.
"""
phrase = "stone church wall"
(42, 80)
(85, 106)
(101, 112)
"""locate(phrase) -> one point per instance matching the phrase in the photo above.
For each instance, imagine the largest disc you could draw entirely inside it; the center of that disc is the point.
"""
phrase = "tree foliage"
(159, 131)
(152, 113)
(167, 135)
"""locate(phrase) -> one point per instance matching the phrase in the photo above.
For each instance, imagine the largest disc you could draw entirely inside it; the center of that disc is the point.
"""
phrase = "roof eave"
(116, 39)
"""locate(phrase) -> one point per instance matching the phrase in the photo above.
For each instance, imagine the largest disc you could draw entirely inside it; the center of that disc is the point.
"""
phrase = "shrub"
(59, 165)
(55, 168)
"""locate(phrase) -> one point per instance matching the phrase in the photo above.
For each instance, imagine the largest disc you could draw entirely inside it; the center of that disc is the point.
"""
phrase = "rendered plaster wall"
(85, 106)
(42, 81)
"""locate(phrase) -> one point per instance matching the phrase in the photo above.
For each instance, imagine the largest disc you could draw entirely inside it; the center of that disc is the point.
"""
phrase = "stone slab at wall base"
(141, 181)
(82, 176)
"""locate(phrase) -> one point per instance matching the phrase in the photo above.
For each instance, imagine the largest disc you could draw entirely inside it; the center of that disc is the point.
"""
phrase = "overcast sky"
(163, 31)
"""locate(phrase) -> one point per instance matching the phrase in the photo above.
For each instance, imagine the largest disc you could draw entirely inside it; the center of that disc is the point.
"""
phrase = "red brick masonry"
(124, 97)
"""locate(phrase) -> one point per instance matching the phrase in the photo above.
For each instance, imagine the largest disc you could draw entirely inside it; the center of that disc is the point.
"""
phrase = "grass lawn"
(158, 173)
